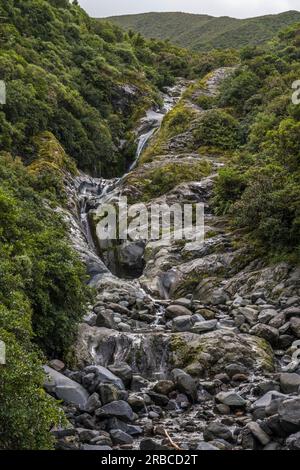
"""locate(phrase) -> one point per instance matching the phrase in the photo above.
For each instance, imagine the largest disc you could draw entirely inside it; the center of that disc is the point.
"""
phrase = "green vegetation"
(260, 186)
(203, 32)
(159, 180)
(42, 298)
(216, 128)
(79, 78)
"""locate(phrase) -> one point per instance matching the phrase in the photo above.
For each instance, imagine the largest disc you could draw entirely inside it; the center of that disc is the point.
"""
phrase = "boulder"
(181, 324)
(206, 446)
(289, 383)
(123, 371)
(164, 387)
(212, 352)
(95, 447)
(251, 314)
(104, 375)
(293, 442)
(289, 414)
(120, 437)
(269, 333)
(266, 315)
(204, 327)
(291, 312)
(295, 326)
(115, 423)
(231, 399)
(217, 430)
(267, 399)
(185, 383)
(119, 409)
(174, 311)
(259, 433)
(93, 403)
(64, 388)
(109, 392)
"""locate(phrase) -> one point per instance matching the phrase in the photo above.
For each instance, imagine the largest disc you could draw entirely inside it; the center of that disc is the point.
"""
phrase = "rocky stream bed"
(189, 345)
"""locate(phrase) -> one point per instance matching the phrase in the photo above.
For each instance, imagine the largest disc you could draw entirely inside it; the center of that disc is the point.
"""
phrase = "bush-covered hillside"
(260, 187)
(203, 32)
(85, 81)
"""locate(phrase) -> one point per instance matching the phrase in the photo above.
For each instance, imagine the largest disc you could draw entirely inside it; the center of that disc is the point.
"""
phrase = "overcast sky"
(235, 8)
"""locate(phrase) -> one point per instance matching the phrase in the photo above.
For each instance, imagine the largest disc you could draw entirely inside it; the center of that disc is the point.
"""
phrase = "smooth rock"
(217, 430)
(266, 332)
(120, 437)
(289, 413)
(185, 383)
(64, 388)
(204, 327)
(105, 376)
(258, 433)
(174, 311)
(181, 324)
(120, 409)
(123, 371)
(289, 383)
(231, 399)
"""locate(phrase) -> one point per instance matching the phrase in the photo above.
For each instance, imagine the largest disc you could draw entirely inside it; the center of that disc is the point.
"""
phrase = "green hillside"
(203, 32)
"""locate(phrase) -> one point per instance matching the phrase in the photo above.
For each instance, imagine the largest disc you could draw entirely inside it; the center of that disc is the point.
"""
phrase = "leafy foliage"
(260, 188)
(80, 79)
(42, 298)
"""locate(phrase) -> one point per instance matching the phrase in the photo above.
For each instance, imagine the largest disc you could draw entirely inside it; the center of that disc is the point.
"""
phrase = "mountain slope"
(203, 32)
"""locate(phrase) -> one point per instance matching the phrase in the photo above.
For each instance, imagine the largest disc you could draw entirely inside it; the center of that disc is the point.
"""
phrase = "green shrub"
(217, 128)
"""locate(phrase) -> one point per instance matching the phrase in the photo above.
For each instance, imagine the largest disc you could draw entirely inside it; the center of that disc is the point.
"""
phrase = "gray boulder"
(123, 371)
(293, 441)
(289, 383)
(120, 437)
(231, 399)
(295, 326)
(120, 409)
(289, 413)
(181, 324)
(104, 375)
(204, 327)
(174, 311)
(266, 332)
(185, 383)
(217, 430)
(64, 388)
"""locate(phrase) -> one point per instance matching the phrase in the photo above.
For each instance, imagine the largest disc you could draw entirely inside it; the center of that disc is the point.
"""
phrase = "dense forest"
(203, 32)
(76, 87)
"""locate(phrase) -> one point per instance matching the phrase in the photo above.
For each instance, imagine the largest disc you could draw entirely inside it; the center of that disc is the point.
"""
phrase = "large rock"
(269, 333)
(217, 431)
(295, 326)
(267, 399)
(231, 399)
(289, 414)
(65, 389)
(210, 353)
(293, 441)
(123, 371)
(185, 383)
(104, 375)
(289, 383)
(120, 437)
(119, 409)
(204, 327)
(174, 311)
(184, 323)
